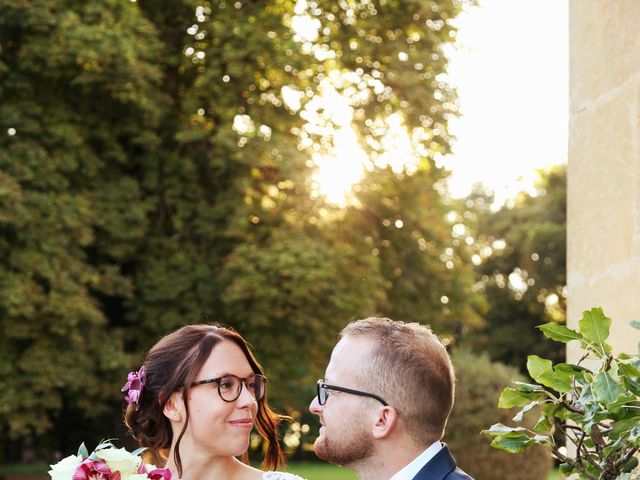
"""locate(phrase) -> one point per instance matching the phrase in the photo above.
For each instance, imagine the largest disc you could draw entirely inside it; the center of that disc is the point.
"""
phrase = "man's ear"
(174, 408)
(385, 422)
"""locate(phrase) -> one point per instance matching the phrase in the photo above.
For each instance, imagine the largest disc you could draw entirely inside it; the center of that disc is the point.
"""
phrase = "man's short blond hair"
(411, 369)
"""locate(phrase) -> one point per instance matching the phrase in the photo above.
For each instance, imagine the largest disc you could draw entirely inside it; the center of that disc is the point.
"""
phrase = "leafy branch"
(597, 409)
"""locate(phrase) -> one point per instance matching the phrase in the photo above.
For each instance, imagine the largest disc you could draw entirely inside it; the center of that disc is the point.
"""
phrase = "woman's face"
(217, 427)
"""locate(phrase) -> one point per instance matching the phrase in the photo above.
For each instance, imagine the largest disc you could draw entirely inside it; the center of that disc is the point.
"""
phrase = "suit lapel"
(441, 465)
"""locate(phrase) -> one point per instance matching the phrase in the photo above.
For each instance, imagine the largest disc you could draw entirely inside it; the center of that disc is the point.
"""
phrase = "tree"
(401, 219)
(77, 89)
(523, 269)
(155, 170)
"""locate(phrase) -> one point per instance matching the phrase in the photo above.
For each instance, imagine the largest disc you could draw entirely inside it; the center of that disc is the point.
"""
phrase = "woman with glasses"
(196, 400)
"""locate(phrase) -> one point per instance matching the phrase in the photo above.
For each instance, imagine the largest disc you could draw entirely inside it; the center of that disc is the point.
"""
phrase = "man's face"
(345, 437)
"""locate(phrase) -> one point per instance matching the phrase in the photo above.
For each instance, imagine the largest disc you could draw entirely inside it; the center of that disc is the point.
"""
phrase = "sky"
(510, 67)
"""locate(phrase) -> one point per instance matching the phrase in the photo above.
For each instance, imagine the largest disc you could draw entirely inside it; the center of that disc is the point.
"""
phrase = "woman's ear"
(385, 421)
(174, 408)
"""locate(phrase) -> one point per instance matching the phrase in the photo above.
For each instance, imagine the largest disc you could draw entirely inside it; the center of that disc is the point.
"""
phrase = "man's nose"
(314, 406)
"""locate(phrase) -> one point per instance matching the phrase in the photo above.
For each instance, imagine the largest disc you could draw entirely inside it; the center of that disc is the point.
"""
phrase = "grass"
(321, 471)
(326, 471)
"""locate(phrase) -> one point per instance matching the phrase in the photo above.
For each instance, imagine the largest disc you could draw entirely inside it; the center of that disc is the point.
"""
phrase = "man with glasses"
(384, 402)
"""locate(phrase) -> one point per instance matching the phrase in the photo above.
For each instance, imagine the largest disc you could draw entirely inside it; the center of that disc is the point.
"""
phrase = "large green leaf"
(559, 333)
(512, 443)
(542, 371)
(557, 380)
(511, 397)
(537, 366)
(594, 326)
(623, 426)
(605, 389)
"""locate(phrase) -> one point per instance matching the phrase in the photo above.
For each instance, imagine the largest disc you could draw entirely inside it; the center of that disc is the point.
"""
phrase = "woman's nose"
(246, 398)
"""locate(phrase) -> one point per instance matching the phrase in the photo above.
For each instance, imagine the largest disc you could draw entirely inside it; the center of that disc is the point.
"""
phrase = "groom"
(384, 403)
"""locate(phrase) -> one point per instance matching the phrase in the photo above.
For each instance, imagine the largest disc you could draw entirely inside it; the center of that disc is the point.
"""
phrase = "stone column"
(603, 244)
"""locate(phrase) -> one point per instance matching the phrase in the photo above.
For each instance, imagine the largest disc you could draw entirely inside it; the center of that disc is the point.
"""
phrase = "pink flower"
(159, 474)
(134, 385)
(95, 470)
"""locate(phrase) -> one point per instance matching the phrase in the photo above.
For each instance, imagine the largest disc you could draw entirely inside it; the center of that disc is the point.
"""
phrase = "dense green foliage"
(523, 269)
(479, 382)
(154, 171)
(594, 403)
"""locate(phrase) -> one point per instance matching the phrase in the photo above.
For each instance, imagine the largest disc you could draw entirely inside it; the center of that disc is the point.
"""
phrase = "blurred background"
(281, 167)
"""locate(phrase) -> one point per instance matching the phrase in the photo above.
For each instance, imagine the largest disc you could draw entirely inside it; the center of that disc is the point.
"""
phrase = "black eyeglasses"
(323, 392)
(230, 386)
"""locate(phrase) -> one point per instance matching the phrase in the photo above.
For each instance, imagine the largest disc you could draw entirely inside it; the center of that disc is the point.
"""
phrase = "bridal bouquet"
(107, 462)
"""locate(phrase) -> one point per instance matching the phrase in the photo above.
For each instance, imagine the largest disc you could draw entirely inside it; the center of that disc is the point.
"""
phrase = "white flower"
(65, 468)
(135, 476)
(118, 459)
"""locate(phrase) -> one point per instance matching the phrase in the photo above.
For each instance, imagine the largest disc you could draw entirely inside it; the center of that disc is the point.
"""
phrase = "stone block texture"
(603, 244)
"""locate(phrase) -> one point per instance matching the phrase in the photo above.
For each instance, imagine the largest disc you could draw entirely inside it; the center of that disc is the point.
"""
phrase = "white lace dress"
(280, 476)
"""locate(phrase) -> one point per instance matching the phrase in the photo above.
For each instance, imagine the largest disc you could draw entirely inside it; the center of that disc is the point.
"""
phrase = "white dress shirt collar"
(408, 472)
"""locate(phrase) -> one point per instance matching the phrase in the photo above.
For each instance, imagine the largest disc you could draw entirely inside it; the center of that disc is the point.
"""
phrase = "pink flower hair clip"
(134, 385)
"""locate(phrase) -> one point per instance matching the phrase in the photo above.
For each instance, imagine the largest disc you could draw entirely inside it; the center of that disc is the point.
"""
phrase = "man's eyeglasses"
(230, 386)
(323, 392)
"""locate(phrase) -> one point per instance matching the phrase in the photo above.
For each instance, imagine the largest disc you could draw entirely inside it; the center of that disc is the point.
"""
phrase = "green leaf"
(594, 326)
(630, 465)
(542, 371)
(559, 333)
(520, 415)
(527, 387)
(82, 450)
(500, 429)
(559, 381)
(635, 324)
(510, 397)
(618, 408)
(570, 368)
(623, 426)
(628, 370)
(565, 468)
(542, 439)
(512, 444)
(632, 385)
(543, 425)
(537, 366)
(635, 435)
(605, 389)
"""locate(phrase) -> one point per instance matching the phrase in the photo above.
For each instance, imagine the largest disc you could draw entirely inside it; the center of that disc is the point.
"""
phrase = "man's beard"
(344, 451)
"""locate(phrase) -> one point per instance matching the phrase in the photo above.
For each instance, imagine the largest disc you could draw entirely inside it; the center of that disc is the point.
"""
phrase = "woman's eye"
(226, 384)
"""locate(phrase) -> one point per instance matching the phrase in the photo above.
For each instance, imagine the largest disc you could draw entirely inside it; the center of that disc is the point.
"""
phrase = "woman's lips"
(242, 423)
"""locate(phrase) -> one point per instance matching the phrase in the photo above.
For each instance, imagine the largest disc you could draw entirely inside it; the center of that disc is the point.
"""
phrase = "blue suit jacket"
(442, 467)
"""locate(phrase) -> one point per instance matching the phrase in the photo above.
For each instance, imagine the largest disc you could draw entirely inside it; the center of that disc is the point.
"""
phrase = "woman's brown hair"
(172, 365)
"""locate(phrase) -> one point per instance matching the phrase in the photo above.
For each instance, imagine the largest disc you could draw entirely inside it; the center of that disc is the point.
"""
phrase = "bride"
(194, 403)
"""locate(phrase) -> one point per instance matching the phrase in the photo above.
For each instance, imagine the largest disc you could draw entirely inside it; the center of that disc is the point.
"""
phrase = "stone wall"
(603, 244)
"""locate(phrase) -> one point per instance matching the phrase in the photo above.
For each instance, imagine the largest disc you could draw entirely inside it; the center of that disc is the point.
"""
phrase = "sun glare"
(512, 84)
(339, 159)
(512, 93)
(337, 173)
